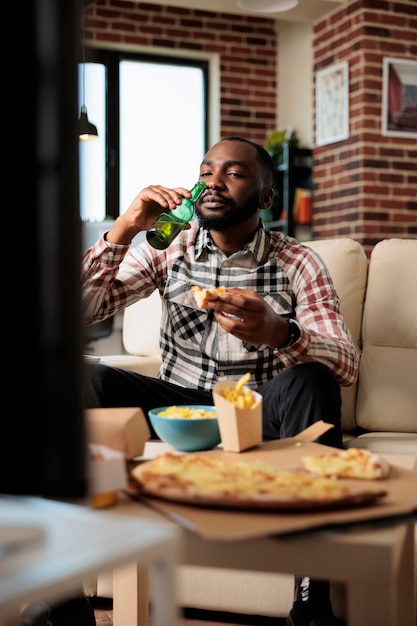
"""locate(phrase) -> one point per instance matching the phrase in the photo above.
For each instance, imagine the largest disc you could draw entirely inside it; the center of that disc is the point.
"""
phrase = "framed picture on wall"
(332, 104)
(399, 98)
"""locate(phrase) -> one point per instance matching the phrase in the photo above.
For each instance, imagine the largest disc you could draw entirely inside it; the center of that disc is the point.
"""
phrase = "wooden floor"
(104, 617)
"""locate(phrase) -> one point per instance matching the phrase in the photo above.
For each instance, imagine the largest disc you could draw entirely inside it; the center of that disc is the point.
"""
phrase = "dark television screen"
(43, 449)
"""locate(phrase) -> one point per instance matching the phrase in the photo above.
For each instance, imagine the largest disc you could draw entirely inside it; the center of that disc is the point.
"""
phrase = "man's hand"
(145, 208)
(252, 321)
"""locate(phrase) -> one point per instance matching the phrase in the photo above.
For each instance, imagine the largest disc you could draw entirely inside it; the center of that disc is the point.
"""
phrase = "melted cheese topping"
(350, 463)
(203, 476)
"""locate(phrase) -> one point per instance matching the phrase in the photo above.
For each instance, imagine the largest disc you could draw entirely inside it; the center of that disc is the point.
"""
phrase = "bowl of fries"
(239, 411)
(187, 428)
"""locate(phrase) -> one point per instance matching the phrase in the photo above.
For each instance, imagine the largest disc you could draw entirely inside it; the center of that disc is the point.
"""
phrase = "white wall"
(295, 79)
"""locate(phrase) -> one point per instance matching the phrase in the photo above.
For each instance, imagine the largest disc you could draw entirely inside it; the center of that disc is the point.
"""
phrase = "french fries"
(243, 399)
(186, 412)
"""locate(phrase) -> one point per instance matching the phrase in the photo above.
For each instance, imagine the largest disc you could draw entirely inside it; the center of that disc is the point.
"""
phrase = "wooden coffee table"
(375, 564)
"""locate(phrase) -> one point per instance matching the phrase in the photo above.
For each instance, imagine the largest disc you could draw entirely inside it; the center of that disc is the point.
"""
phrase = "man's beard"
(233, 217)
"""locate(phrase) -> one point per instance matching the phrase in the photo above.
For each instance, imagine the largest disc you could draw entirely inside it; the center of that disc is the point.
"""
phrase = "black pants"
(298, 397)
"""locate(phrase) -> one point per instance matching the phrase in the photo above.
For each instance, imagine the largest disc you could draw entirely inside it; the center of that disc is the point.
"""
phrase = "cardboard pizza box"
(240, 429)
(123, 429)
(399, 504)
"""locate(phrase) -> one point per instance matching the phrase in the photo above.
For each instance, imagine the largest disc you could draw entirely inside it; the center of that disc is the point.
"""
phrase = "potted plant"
(275, 141)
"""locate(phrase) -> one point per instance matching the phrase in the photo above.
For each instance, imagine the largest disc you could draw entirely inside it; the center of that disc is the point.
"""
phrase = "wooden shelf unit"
(295, 171)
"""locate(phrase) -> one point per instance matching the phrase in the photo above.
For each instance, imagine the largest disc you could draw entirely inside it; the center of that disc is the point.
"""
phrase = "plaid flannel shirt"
(196, 351)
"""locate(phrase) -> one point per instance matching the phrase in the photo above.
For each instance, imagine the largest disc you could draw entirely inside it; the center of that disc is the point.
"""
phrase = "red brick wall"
(365, 187)
(247, 47)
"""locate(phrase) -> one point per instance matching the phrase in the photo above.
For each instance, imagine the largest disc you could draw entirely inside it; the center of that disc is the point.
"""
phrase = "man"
(278, 320)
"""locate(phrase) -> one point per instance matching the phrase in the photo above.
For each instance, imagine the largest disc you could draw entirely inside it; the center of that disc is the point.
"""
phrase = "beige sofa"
(379, 302)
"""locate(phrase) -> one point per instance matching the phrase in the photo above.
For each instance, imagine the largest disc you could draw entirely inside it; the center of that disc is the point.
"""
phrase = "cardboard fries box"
(240, 429)
(123, 429)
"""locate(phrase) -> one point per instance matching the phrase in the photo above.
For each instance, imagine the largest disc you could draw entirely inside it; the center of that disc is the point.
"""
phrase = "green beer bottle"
(170, 223)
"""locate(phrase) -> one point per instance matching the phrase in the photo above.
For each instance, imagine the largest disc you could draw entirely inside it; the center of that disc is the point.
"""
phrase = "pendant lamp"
(86, 130)
(267, 6)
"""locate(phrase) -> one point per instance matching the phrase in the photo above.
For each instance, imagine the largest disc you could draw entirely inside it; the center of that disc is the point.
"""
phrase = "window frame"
(111, 57)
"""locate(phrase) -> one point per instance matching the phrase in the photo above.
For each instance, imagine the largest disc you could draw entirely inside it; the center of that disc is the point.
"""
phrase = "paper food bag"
(107, 475)
(240, 429)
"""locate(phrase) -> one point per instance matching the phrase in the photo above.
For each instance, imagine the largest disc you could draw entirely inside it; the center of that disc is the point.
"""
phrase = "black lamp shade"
(86, 130)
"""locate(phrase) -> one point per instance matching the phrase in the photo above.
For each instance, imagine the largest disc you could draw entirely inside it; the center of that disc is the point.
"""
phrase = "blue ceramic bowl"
(187, 434)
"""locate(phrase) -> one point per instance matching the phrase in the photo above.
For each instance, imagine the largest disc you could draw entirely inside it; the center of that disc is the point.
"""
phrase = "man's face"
(235, 186)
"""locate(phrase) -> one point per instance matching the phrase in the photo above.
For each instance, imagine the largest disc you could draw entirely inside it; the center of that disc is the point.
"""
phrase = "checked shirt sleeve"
(100, 296)
(324, 335)
(112, 277)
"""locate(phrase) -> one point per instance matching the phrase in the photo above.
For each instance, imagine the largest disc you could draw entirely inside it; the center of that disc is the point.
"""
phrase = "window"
(92, 154)
(151, 117)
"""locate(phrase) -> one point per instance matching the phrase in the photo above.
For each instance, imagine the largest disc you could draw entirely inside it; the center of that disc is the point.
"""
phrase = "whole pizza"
(211, 481)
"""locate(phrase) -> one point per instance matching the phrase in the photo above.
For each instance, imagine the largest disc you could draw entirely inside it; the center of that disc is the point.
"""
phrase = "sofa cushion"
(141, 364)
(348, 267)
(387, 391)
(141, 326)
(402, 445)
(236, 591)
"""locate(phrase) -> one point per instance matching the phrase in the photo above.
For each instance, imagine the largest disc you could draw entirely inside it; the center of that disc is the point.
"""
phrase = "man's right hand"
(144, 209)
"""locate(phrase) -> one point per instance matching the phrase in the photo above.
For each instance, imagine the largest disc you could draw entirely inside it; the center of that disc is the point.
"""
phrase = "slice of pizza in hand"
(350, 463)
(204, 295)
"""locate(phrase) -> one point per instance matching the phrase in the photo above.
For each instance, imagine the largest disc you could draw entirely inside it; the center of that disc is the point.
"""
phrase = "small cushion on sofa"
(141, 326)
(145, 365)
(348, 266)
